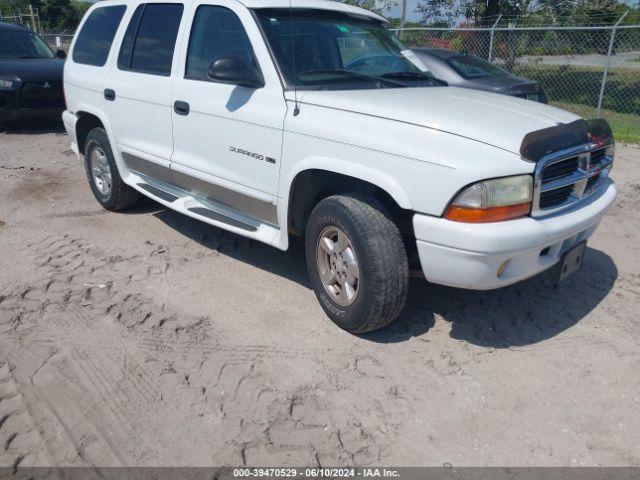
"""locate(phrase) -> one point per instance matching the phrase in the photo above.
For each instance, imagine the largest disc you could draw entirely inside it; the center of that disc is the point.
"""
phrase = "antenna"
(296, 106)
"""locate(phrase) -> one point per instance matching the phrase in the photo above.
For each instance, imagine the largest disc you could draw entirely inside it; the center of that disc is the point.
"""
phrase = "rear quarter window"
(96, 36)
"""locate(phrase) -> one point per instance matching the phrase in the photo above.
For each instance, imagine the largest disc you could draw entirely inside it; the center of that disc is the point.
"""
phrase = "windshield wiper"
(353, 74)
(416, 75)
(26, 57)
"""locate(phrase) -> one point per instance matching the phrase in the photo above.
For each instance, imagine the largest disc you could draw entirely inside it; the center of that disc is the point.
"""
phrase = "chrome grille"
(556, 197)
(562, 179)
(591, 183)
(598, 155)
(560, 169)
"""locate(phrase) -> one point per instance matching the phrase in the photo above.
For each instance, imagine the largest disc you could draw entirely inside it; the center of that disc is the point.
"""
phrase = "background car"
(461, 69)
(30, 76)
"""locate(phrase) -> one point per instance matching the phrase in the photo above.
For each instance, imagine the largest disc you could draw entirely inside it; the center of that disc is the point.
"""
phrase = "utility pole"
(32, 17)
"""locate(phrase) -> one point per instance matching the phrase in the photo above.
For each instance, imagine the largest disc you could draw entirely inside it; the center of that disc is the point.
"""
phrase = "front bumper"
(19, 103)
(469, 255)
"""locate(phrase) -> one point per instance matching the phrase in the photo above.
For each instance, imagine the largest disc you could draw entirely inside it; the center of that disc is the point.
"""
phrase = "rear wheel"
(105, 181)
(357, 262)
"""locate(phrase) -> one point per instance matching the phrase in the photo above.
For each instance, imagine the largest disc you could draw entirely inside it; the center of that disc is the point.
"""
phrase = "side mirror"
(236, 72)
(61, 54)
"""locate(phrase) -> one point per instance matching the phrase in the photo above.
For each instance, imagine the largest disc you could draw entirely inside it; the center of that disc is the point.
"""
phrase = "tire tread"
(122, 195)
(385, 252)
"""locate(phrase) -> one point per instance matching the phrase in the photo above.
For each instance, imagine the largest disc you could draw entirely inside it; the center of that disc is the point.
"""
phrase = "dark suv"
(30, 75)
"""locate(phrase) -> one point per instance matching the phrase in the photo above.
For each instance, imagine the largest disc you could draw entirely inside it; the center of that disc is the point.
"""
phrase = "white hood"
(498, 120)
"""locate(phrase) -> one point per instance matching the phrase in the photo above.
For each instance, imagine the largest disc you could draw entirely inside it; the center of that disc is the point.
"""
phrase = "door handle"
(109, 94)
(181, 108)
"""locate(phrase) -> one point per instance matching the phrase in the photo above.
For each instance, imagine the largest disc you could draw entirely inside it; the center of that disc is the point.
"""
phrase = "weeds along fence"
(593, 71)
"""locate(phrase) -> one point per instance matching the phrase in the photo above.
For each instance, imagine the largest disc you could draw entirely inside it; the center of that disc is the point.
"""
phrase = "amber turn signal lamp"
(486, 215)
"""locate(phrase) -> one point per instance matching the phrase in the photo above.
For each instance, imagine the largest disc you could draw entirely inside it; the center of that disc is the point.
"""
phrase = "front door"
(227, 138)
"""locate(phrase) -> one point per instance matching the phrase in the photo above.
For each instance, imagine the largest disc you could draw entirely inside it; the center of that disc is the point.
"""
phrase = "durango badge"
(257, 156)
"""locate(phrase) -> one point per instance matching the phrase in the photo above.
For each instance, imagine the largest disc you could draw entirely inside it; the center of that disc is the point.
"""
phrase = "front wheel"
(357, 262)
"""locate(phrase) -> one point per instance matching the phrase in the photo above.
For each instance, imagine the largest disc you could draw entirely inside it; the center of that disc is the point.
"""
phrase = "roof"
(318, 4)
(10, 26)
(438, 52)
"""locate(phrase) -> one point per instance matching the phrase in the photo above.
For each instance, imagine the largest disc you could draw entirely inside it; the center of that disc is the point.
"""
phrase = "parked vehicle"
(246, 116)
(30, 75)
(460, 69)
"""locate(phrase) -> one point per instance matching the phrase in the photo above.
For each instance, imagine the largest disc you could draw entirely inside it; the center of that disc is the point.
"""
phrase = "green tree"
(56, 15)
(377, 6)
(443, 13)
(10, 6)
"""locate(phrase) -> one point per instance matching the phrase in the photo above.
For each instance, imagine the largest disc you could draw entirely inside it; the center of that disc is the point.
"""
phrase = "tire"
(381, 261)
(119, 195)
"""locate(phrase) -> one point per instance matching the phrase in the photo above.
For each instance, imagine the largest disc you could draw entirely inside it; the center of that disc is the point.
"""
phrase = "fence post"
(32, 17)
(493, 29)
(608, 62)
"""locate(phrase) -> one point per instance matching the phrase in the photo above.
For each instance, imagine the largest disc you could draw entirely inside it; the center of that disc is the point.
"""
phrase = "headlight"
(493, 200)
(8, 82)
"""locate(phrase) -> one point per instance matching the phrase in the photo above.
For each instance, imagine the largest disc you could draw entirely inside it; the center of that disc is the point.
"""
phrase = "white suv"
(271, 118)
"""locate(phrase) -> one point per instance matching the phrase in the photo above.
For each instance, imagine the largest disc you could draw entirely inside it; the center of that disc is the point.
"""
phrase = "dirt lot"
(147, 338)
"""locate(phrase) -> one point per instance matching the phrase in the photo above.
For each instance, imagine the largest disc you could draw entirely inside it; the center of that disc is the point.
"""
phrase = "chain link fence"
(58, 41)
(592, 71)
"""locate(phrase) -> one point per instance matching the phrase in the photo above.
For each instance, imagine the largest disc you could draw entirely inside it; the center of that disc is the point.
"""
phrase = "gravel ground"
(147, 338)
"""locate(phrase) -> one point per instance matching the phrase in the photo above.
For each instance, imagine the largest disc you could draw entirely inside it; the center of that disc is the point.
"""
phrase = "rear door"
(86, 67)
(227, 146)
(137, 90)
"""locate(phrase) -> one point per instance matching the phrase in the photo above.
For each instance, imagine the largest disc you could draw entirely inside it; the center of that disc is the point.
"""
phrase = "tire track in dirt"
(132, 373)
(20, 441)
(71, 300)
(141, 367)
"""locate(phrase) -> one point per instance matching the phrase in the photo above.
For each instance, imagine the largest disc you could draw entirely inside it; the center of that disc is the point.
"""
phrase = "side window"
(124, 57)
(217, 32)
(95, 39)
(150, 39)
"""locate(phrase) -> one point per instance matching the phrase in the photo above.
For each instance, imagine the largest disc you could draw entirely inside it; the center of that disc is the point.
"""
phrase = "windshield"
(322, 49)
(14, 44)
(473, 67)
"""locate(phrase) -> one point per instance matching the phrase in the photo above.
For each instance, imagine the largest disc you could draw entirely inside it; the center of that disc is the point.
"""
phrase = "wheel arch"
(89, 118)
(310, 185)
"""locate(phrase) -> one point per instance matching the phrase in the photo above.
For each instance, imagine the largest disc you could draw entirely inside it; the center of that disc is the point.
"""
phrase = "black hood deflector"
(536, 145)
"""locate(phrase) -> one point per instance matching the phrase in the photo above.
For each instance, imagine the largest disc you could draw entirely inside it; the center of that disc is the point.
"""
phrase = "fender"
(350, 169)
(344, 167)
(96, 112)
(84, 108)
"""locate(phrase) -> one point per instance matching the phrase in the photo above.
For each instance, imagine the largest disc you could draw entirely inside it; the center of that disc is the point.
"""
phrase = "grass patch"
(576, 89)
(581, 85)
(625, 126)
